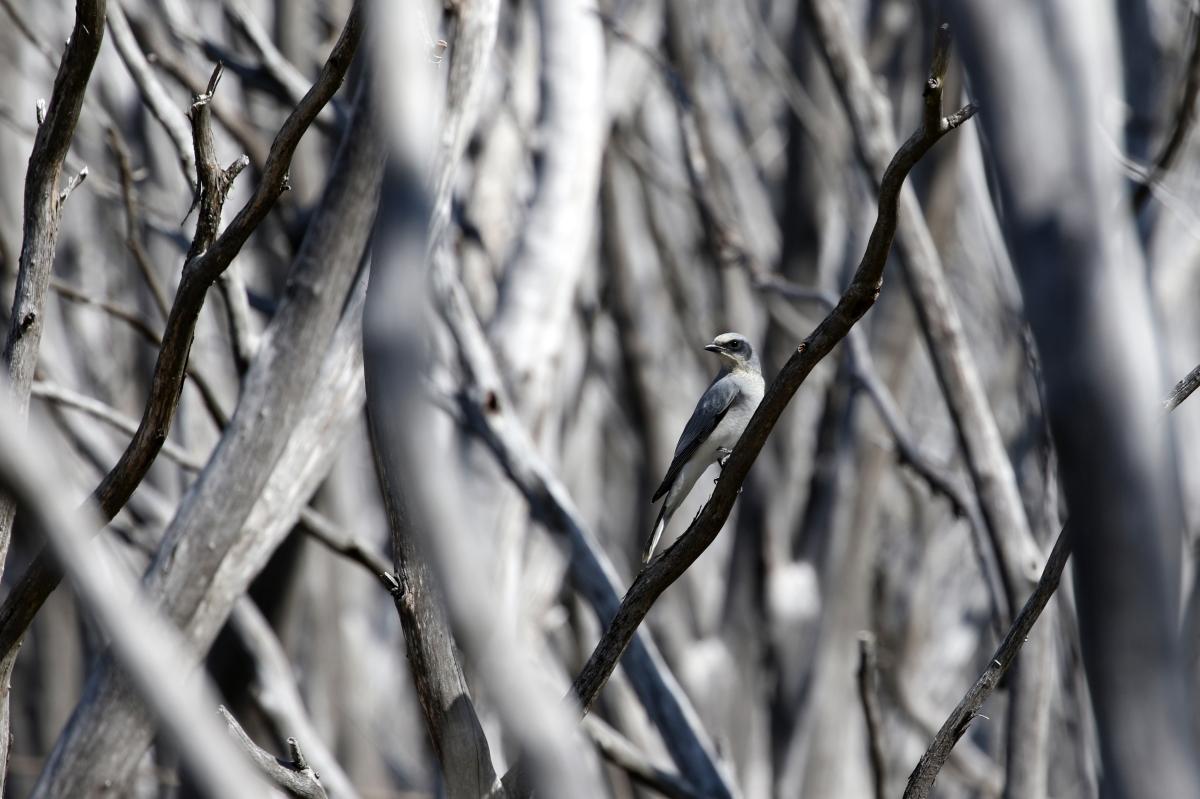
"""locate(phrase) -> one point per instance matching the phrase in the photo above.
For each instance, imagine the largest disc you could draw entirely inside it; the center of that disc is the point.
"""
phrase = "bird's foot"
(723, 454)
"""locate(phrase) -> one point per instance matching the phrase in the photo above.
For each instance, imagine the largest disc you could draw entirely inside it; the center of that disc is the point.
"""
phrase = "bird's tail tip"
(659, 526)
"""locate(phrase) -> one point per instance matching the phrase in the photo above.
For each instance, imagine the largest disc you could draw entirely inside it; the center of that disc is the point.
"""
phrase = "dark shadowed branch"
(920, 782)
(1182, 121)
(859, 296)
(868, 695)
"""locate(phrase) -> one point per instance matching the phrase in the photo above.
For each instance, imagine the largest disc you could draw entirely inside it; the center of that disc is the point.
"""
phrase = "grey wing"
(709, 412)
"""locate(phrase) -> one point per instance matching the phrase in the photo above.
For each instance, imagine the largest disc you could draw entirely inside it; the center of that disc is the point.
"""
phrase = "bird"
(717, 423)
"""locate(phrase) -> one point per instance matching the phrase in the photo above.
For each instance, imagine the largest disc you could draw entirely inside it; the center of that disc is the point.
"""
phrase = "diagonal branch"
(275, 690)
(153, 93)
(1182, 122)
(920, 782)
(295, 777)
(854, 303)
(622, 753)
(206, 261)
(979, 437)
(1183, 389)
(490, 415)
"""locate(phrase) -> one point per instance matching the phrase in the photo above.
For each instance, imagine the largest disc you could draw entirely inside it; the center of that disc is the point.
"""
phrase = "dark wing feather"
(709, 412)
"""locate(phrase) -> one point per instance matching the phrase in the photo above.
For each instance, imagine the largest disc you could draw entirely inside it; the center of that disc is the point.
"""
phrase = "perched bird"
(717, 423)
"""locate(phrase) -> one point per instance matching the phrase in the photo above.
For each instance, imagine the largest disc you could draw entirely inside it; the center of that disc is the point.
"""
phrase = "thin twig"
(133, 239)
(622, 753)
(344, 543)
(67, 398)
(170, 61)
(868, 695)
(208, 394)
(295, 778)
(275, 63)
(1183, 120)
(154, 95)
(129, 317)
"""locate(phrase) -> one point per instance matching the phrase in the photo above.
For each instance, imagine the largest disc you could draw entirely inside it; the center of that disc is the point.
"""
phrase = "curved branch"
(854, 303)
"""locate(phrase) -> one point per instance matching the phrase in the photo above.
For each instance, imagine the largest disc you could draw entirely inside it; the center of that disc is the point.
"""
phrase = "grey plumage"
(716, 424)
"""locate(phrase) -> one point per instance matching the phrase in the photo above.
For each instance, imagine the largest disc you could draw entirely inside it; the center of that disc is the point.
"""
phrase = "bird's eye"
(735, 345)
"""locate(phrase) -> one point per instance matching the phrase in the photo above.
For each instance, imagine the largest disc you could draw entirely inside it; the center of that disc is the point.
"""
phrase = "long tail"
(660, 524)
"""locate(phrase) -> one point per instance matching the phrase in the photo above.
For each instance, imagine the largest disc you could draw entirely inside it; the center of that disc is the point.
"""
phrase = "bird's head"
(735, 350)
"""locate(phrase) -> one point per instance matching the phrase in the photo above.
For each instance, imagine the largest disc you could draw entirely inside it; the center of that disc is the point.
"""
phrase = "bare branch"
(278, 695)
(61, 395)
(1182, 121)
(316, 524)
(147, 648)
(920, 782)
(454, 730)
(868, 695)
(1183, 389)
(855, 301)
(294, 777)
(43, 210)
(163, 55)
(133, 238)
(205, 263)
(153, 93)
(490, 414)
(344, 543)
(194, 575)
(621, 752)
(987, 459)
(274, 62)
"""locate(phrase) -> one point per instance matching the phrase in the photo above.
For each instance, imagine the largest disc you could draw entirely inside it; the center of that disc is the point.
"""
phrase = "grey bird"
(717, 423)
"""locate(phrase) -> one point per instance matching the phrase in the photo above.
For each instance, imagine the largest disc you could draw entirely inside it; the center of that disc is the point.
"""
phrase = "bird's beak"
(714, 347)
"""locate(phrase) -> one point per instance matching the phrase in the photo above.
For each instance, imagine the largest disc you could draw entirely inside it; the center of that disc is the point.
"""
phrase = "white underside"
(709, 452)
